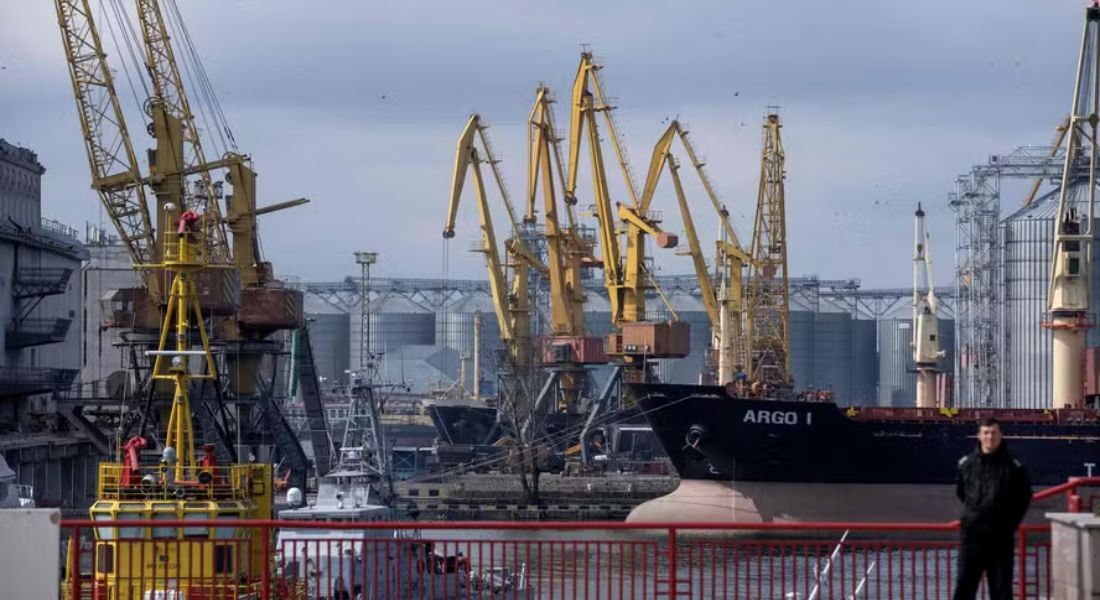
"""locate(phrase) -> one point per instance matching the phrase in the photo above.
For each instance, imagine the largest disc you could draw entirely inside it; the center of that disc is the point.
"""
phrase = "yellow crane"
(565, 249)
(177, 156)
(179, 150)
(512, 306)
(567, 348)
(181, 179)
(116, 174)
(768, 306)
(625, 273)
(723, 300)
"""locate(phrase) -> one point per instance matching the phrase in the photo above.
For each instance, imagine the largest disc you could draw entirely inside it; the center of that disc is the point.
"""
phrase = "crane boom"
(768, 305)
(926, 345)
(170, 96)
(116, 174)
(722, 301)
(587, 83)
(512, 307)
(1071, 265)
(625, 280)
(563, 257)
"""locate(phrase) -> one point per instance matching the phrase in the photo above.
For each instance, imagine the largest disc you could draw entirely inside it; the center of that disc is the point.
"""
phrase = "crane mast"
(175, 163)
(563, 245)
(1071, 266)
(567, 348)
(768, 316)
(174, 128)
(116, 174)
(625, 272)
(722, 300)
(926, 345)
(512, 306)
(624, 276)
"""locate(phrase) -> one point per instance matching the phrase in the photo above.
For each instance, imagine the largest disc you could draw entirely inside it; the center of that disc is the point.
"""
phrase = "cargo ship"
(760, 460)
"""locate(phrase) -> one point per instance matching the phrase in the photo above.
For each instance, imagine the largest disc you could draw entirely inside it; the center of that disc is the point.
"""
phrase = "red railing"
(541, 560)
(309, 560)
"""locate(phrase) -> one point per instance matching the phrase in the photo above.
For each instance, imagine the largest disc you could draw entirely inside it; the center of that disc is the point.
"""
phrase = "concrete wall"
(61, 469)
(108, 268)
(31, 567)
(1075, 556)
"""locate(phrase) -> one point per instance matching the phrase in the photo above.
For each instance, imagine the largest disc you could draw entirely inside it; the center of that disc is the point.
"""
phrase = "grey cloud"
(884, 103)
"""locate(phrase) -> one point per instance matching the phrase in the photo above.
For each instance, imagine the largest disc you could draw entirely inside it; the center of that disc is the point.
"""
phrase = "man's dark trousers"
(994, 558)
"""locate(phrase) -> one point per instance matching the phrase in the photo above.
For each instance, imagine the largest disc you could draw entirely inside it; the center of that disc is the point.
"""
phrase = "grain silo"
(330, 335)
(832, 353)
(897, 377)
(1028, 243)
(455, 330)
(802, 343)
(394, 321)
(597, 314)
(864, 382)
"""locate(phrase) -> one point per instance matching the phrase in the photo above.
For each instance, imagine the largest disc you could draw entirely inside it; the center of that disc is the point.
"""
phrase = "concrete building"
(108, 268)
(40, 307)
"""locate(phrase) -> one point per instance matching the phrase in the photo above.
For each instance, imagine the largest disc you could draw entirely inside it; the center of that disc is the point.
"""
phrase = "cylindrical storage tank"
(1028, 243)
(688, 309)
(455, 330)
(947, 345)
(802, 347)
(897, 376)
(832, 358)
(330, 335)
(597, 323)
(897, 384)
(597, 314)
(395, 321)
(864, 383)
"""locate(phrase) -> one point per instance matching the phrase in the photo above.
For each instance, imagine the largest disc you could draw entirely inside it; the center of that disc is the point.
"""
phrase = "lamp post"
(364, 260)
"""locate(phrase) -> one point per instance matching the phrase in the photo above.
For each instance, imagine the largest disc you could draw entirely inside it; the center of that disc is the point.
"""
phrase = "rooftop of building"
(23, 157)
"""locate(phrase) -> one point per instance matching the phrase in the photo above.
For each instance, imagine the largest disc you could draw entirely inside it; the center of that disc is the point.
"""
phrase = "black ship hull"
(770, 460)
(465, 424)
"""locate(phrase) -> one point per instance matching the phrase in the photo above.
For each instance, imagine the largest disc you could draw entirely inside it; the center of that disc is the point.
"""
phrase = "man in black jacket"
(995, 492)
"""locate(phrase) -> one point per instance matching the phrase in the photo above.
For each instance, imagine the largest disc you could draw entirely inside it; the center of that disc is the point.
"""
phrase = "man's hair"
(991, 422)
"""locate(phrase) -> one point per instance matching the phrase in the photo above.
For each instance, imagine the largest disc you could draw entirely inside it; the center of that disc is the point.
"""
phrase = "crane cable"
(129, 36)
(208, 97)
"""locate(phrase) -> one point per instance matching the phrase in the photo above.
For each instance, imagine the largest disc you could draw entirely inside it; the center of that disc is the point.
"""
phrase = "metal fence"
(164, 559)
(174, 560)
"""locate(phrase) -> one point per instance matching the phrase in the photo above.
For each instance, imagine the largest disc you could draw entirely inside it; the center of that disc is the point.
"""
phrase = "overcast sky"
(357, 105)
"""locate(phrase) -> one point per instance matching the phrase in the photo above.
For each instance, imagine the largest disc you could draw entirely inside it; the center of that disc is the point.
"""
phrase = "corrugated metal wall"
(864, 384)
(394, 322)
(897, 377)
(455, 329)
(832, 362)
(1028, 242)
(330, 333)
(802, 348)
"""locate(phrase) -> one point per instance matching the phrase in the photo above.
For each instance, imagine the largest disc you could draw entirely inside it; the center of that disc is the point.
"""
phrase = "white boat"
(12, 493)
